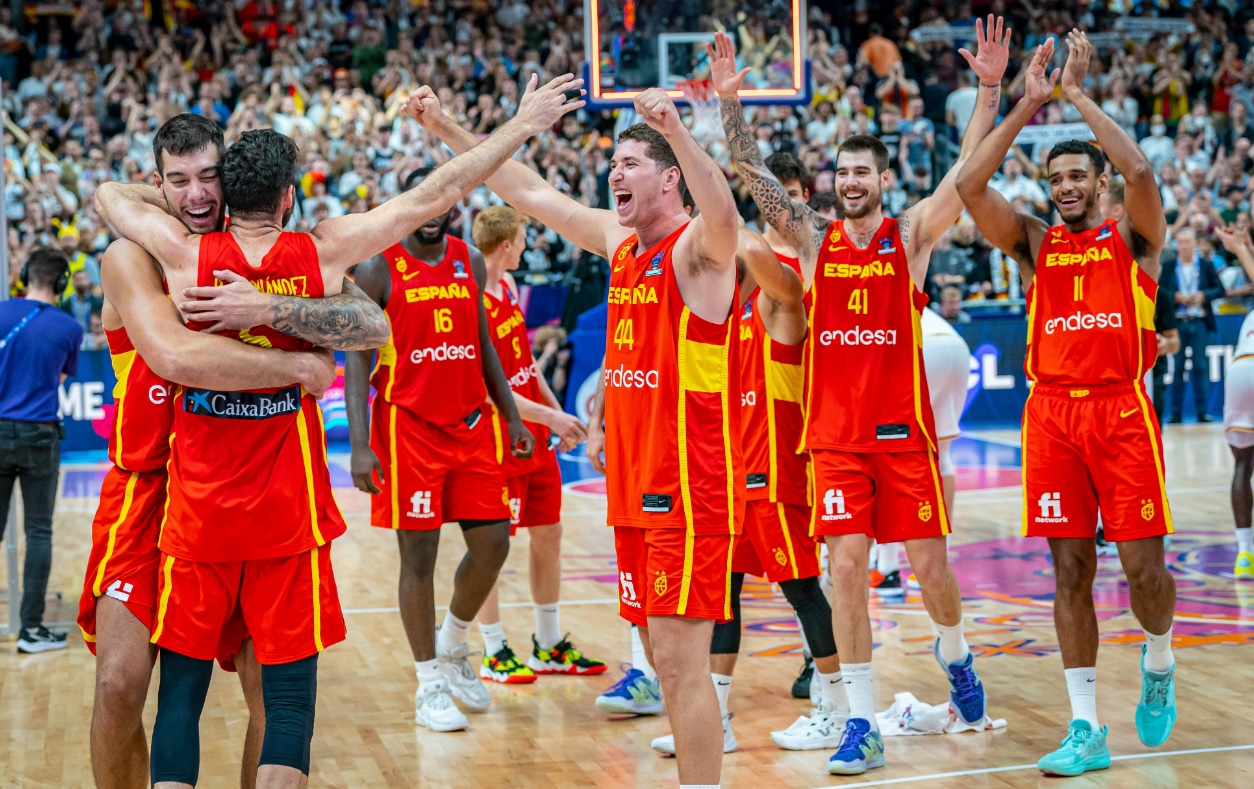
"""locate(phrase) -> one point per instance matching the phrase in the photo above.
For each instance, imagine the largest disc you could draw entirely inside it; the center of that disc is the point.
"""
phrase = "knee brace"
(726, 638)
(176, 733)
(945, 460)
(290, 691)
(805, 595)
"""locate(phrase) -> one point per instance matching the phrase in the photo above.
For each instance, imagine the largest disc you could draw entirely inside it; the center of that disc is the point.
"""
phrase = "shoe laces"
(437, 698)
(1078, 739)
(624, 681)
(965, 682)
(463, 668)
(504, 658)
(1156, 691)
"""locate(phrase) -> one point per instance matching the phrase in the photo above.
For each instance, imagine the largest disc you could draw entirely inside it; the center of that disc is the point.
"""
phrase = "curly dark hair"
(256, 171)
(183, 134)
(788, 168)
(1096, 157)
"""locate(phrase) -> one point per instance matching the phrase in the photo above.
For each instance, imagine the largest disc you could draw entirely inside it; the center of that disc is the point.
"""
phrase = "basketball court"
(549, 734)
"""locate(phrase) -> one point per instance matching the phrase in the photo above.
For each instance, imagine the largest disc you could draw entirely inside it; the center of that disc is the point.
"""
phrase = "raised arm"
(780, 303)
(713, 233)
(132, 283)
(347, 321)
(523, 187)
(800, 225)
(1015, 234)
(1142, 200)
(931, 217)
(344, 241)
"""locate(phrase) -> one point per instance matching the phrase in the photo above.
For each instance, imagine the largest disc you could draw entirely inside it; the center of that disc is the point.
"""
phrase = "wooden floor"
(550, 735)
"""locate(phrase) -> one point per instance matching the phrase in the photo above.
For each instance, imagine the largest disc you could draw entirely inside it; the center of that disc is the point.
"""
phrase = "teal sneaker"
(1156, 711)
(860, 749)
(1081, 751)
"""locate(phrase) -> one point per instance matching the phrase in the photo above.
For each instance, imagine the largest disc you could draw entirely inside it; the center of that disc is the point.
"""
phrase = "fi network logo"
(1051, 508)
(420, 505)
(834, 505)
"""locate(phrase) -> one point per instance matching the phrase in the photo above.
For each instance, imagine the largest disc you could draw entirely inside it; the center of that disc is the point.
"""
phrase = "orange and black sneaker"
(887, 585)
(505, 667)
(563, 658)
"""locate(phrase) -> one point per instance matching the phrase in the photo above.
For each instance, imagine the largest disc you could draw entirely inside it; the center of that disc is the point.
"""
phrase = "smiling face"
(642, 189)
(859, 185)
(192, 188)
(1074, 186)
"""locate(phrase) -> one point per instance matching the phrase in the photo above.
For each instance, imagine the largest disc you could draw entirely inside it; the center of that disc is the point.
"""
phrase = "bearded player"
(535, 484)
(1091, 441)
(869, 425)
(276, 571)
(149, 348)
(672, 449)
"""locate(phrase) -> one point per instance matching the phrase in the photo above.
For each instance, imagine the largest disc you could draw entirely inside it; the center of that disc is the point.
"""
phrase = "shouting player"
(119, 598)
(535, 484)
(441, 454)
(223, 549)
(672, 436)
(1091, 441)
(869, 426)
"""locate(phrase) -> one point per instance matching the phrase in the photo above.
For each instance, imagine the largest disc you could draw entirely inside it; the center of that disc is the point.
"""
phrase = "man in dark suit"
(1195, 285)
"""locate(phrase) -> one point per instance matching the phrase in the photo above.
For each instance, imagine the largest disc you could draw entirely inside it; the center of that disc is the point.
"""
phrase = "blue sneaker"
(634, 694)
(1156, 711)
(860, 749)
(966, 692)
(1081, 751)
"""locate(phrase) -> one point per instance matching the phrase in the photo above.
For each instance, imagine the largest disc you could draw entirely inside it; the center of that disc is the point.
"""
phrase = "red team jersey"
(248, 470)
(139, 439)
(1091, 311)
(772, 420)
(672, 435)
(436, 310)
(865, 348)
(509, 337)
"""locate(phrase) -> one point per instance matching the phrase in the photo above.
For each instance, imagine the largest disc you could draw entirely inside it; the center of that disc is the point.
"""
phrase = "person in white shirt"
(1158, 147)
(1014, 183)
(961, 104)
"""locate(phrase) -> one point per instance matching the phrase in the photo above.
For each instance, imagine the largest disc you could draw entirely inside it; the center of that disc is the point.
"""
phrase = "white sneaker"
(462, 678)
(666, 745)
(434, 708)
(821, 730)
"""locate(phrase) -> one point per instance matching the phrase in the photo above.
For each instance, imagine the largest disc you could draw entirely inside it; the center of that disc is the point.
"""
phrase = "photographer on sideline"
(38, 349)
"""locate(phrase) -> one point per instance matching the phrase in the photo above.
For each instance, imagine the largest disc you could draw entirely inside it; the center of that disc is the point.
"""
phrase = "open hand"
(1038, 85)
(992, 48)
(569, 429)
(1076, 70)
(540, 108)
(723, 73)
(1232, 238)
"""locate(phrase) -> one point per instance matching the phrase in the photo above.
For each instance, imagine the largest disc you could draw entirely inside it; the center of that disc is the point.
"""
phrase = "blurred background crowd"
(86, 85)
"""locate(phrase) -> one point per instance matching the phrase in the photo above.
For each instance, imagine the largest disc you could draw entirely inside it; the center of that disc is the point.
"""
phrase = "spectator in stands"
(960, 105)
(1013, 184)
(95, 339)
(878, 52)
(1158, 146)
(81, 303)
(1195, 285)
(951, 305)
(552, 353)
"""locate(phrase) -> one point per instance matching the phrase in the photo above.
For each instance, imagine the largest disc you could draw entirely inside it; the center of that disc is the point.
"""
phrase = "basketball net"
(698, 91)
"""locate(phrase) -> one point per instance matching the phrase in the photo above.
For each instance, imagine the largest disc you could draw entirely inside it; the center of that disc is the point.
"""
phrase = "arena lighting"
(599, 97)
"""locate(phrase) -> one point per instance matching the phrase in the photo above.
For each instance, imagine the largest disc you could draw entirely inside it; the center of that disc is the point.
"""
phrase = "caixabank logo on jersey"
(242, 405)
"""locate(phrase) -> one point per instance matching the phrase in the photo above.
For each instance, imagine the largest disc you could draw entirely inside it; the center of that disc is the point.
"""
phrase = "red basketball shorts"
(289, 606)
(776, 543)
(891, 496)
(124, 553)
(433, 474)
(667, 572)
(1091, 450)
(535, 499)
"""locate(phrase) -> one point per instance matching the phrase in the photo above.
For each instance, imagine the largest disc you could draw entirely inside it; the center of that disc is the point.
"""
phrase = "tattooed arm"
(800, 225)
(348, 321)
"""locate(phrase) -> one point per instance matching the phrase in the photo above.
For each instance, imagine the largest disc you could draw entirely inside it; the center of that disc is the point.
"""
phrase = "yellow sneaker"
(1244, 568)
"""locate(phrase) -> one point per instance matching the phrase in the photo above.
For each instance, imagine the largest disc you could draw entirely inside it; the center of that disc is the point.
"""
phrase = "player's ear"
(1103, 183)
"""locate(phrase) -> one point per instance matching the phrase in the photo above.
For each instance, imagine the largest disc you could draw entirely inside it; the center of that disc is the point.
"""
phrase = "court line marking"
(978, 615)
(394, 610)
(1017, 767)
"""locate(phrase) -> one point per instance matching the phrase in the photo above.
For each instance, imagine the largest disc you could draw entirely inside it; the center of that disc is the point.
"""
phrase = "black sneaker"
(1105, 548)
(40, 639)
(801, 687)
(888, 585)
(1204, 419)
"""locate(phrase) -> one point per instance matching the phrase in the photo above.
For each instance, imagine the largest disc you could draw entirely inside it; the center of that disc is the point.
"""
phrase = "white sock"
(452, 633)
(722, 686)
(1082, 688)
(548, 625)
(428, 671)
(832, 686)
(857, 677)
(493, 637)
(639, 659)
(1245, 540)
(887, 558)
(953, 646)
(1158, 657)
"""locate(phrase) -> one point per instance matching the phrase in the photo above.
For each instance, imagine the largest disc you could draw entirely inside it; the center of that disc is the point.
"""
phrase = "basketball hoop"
(698, 91)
